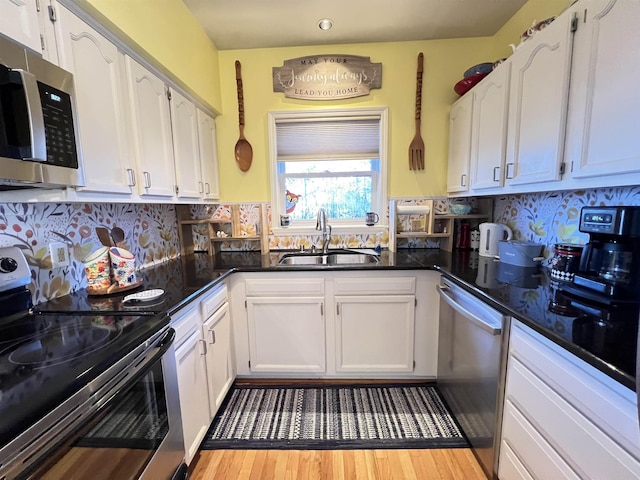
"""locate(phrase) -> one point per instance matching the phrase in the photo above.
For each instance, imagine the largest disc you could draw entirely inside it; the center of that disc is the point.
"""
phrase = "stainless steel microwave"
(38, 146)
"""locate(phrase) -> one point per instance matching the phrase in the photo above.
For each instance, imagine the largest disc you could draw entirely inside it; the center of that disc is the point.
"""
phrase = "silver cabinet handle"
(496, 178)
(212, 334)
(147, 179)
(200, 187)
(203, 347)
(463, 180)
(509, 174)
(207, 188)
(131, 174)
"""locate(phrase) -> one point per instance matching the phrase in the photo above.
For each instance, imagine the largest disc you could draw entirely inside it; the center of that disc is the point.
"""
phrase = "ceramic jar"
(565, 261)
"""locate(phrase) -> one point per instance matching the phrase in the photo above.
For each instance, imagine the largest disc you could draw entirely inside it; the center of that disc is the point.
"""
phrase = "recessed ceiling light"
(325, 24)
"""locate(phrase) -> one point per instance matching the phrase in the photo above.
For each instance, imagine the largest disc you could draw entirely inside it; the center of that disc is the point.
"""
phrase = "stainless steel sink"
(303, 259)
(340, 257)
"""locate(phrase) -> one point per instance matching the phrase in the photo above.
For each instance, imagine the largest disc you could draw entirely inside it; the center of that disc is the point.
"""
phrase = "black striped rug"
(334, 417)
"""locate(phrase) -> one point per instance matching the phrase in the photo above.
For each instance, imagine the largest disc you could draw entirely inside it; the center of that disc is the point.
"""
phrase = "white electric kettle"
(490, 235)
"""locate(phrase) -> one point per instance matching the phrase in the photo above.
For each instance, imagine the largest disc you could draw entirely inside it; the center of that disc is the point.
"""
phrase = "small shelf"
(432, 225)
(245, 237)
(460, 217)
(421, 235)
(232, 227)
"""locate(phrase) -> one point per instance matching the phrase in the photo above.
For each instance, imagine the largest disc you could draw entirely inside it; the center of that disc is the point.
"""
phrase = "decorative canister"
(96, 266)
(123, 266)
(566, 261)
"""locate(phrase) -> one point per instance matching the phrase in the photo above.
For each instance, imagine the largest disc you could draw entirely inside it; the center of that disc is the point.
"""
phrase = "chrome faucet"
(321, 225)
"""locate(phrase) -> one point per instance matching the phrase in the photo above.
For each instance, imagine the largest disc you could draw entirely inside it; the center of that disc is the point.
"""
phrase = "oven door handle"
(163, 344)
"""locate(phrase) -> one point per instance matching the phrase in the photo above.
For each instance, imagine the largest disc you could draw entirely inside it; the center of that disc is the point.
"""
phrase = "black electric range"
(45, 358)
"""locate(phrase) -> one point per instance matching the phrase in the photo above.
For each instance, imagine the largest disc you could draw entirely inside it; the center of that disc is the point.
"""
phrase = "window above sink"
(335, 159)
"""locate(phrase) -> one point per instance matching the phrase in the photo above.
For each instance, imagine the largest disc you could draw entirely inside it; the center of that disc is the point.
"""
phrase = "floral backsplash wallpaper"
(554, 217)
(150, 234)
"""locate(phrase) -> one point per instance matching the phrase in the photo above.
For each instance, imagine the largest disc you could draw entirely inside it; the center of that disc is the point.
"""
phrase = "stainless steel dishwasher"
(472, 347)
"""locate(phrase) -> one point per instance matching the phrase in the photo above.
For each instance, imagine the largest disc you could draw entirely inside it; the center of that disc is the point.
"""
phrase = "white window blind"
(329, 139)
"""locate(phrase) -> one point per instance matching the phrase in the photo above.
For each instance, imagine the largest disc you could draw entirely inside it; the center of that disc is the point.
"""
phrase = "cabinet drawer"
(185, 322)
(510, 466)
(605, 402)
(213, 300)
(587, 449)
(277, 287)
(365, 286)
(523, 449)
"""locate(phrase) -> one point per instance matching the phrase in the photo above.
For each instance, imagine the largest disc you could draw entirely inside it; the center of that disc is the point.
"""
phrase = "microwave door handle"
(36, 116)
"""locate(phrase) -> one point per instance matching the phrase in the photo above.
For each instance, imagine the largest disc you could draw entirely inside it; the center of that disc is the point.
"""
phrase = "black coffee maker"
(610, 265)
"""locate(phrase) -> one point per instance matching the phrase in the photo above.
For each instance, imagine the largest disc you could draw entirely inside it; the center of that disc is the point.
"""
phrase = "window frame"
(379, 189)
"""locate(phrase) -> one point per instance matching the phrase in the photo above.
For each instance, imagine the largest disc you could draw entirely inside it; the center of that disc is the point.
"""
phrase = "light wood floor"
(441, 464)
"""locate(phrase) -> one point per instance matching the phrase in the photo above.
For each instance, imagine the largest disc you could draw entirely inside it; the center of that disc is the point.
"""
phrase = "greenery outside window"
(331, 159)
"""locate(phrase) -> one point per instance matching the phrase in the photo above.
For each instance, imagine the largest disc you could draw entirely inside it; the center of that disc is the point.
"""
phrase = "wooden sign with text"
(327, 77)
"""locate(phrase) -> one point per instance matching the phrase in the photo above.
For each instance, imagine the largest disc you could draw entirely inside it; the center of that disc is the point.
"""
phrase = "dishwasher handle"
(487, 327)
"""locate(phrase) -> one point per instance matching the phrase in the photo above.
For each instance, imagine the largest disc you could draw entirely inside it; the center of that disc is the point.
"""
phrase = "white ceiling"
(240, 24)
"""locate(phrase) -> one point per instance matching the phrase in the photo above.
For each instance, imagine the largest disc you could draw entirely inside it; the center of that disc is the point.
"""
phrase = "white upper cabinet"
(97, 66)
(604, 111)
(151, 124)
(19, 21)
(489, 129)
(208, 155)
(460, 118)
(539, 89)
(185, 147)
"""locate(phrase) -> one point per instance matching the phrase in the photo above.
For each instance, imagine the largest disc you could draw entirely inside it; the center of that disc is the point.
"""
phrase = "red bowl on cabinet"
(466, 84)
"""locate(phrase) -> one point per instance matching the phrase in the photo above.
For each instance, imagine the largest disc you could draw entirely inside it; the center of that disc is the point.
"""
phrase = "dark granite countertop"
(521, 293)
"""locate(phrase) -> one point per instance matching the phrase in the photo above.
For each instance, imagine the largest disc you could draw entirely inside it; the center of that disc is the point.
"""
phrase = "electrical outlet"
(59, 254)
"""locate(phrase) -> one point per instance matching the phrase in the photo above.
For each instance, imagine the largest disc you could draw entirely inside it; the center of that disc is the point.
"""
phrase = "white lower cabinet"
(220, 361)
(374, 324)
(375, 333)
(563, 418)
(335, 324)
(192, 378)
(205, 363)
(286, 334)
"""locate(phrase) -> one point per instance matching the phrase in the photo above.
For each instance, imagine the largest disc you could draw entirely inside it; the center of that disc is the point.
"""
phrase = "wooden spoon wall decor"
(243, 150)
(416, 148)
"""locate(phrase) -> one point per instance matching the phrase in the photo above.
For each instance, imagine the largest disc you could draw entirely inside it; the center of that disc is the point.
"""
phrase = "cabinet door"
(151, 131)
(192, 384)
(489, 129)
(208, 155)
(97, 68)
(220, 363)
(286, 335)
(185, 147)
(605, 100)
(375, 333)
(19, 21)
(460, 144)
(539, 90)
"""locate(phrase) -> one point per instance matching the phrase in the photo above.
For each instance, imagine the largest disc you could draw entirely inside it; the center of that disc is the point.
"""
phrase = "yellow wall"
(167, 30)
(444, 63)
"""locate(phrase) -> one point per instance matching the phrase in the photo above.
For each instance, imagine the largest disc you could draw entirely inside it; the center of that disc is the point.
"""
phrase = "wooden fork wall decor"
(416, 148)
